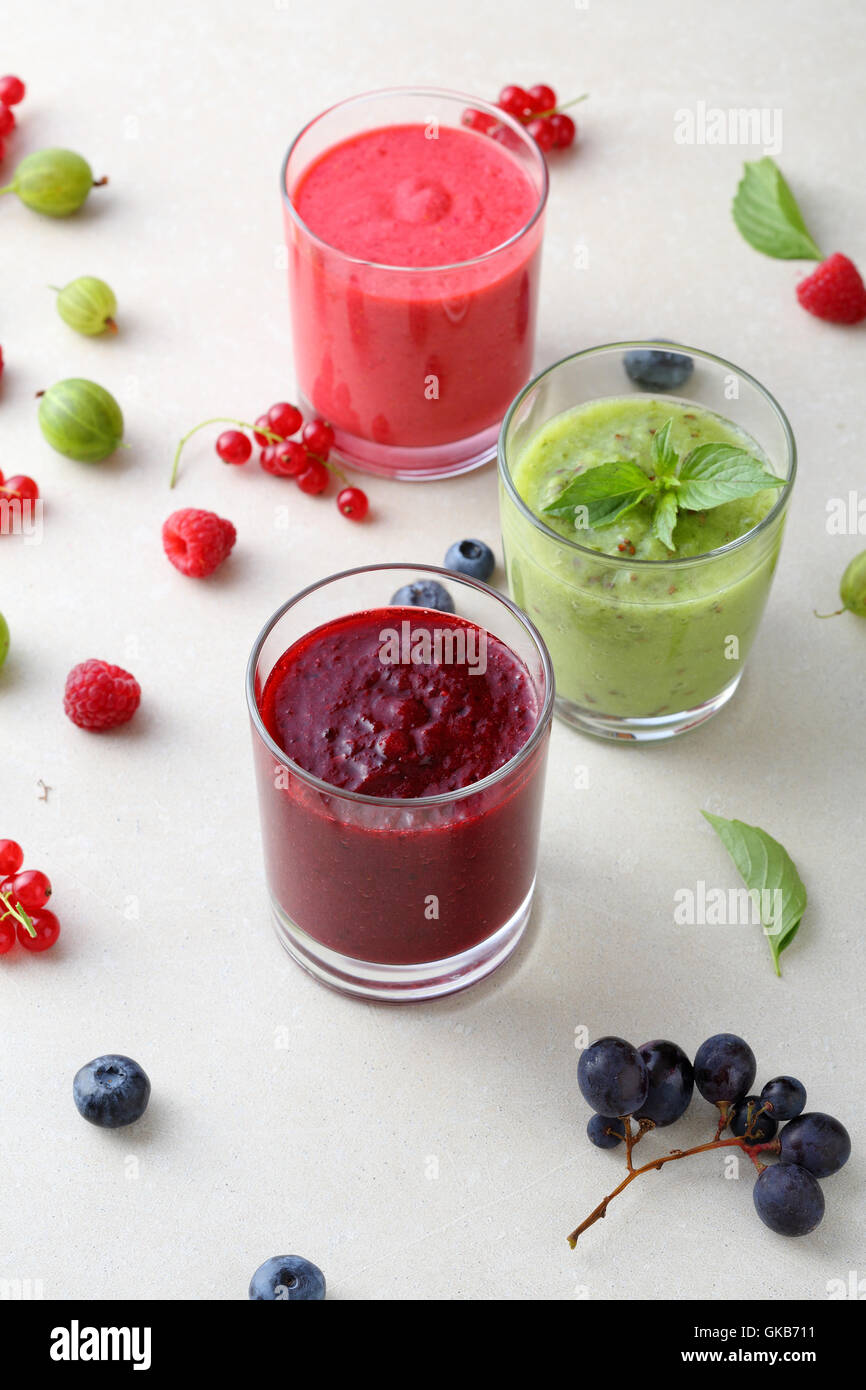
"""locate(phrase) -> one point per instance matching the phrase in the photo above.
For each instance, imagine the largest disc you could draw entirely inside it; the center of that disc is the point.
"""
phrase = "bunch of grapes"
(652, 1086)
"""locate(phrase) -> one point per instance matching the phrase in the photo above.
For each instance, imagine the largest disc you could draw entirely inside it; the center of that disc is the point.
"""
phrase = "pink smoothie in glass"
(397, 341)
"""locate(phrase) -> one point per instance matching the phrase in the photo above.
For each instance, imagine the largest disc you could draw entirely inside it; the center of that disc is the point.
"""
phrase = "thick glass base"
(410, 464)
(399, 984)
(647, 730)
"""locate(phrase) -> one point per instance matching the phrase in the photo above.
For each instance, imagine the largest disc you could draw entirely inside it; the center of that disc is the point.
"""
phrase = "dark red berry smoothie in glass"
(401, 825)
(414, 255)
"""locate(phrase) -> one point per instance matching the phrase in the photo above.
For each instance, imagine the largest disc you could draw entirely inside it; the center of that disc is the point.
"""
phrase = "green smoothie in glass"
(648, 627)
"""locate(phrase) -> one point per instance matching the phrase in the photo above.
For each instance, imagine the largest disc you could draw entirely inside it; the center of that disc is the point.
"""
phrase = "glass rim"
(542, 723)
(632, 562)
(434, 92)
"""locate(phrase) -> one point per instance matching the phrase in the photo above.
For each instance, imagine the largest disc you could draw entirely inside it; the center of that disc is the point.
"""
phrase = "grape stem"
(18, 913)
(752, 1150)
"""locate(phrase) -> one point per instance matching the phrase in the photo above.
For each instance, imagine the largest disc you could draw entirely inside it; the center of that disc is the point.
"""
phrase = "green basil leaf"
(766, 214)
(620, 479)
(609, 509)
(664, 455)
(665, 518)
(766, 868)
(716, 473)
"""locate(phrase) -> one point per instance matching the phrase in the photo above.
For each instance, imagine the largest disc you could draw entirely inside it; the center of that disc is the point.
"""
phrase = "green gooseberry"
(53, 182)
(81, 420)
(88, 305)
(852, 589)
(4, 639)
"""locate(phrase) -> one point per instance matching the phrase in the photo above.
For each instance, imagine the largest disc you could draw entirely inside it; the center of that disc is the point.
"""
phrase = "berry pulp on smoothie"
(397, 340)
(400, 703)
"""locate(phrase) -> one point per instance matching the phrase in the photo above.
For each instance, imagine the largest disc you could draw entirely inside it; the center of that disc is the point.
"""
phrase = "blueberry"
(285, 1277)
(111, 1091)
(605, 1131)
(424, 593)
(470, 557)
(660, 371)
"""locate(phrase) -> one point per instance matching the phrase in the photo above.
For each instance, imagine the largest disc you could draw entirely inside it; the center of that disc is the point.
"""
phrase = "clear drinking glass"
(414, 368)
(642, 649)
(399, 898)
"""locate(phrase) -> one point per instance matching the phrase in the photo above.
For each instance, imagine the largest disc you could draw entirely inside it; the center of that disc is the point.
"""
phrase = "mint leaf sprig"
(704, 478)
(18, 912)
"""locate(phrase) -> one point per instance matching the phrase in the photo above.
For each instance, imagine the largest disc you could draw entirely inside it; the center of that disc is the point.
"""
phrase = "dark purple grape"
(816, 1142)
(724, 1068)
(605, 1131)
(787, 1096)
(612, 1077)
(789, 1200)
(743, 1115)
(671, 1082)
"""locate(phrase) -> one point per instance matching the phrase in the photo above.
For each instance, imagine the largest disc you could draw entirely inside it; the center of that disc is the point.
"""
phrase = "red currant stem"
(563, 106)
(331, 467)
(18, 913)
(657, 1163)
(220, 420)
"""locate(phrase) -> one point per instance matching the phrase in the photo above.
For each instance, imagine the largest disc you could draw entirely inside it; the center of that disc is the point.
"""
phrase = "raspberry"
(197, 542)
(98, 695)
(834, 291)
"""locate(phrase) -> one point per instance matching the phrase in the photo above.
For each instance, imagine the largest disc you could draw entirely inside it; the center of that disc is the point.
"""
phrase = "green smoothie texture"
(631, 639)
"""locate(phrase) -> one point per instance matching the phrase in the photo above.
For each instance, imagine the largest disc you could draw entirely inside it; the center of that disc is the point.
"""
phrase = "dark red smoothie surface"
(417, 357)
(397, 730)
(359, 878)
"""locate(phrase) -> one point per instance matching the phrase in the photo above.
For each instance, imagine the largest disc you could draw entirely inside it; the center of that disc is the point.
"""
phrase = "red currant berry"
(12, 90)
(318, 437)
(564, 130)
(515, 101)
(7, 119)
(541, 133)
(263, 423)
(32, 889)
(478, 120)
(541, 98)
(353, 503)
(47, 931)
(21, 487)
(2, 150)
(504, 135)
(266, 458)
(7, 933)
(314, 478)
(291, 459)
(11, 857)
(233, 447)
(285, 419)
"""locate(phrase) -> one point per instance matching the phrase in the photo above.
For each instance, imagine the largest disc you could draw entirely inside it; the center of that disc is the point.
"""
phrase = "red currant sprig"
(23, 896)
(537, 109)
(306, 460)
